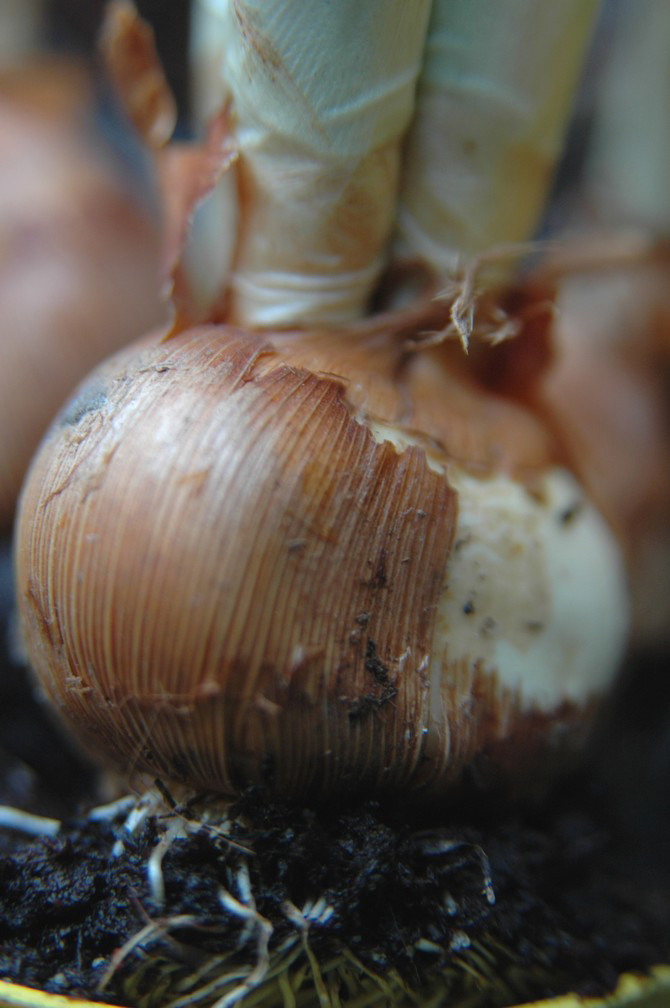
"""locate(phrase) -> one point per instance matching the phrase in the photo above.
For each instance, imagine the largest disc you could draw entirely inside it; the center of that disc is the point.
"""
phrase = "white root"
(255, 923)
(151, 932)
(25, 822)
(142, 809)
(175, 823)
(175, 831)
(112, 810)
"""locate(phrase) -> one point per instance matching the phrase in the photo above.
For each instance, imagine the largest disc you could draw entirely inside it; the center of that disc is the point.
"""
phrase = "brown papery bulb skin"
(79, 258)
(228, 572)
(608, 391)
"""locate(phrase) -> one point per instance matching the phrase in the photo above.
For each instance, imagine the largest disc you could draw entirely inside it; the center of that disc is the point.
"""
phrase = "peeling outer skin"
(198, 195)
(199, 205)
(238, 562)
(134, 70)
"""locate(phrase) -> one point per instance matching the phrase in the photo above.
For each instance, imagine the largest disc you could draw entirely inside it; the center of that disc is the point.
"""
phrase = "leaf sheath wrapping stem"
(493, 101)
(322, 94)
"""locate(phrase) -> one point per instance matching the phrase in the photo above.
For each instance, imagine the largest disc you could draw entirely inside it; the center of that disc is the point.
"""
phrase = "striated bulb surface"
(311, 561)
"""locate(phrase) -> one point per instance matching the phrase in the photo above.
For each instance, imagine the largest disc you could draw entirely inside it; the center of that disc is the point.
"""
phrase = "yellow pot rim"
(632, 991)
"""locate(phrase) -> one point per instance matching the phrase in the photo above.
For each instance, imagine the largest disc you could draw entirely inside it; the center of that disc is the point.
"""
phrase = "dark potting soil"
(510, 905)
